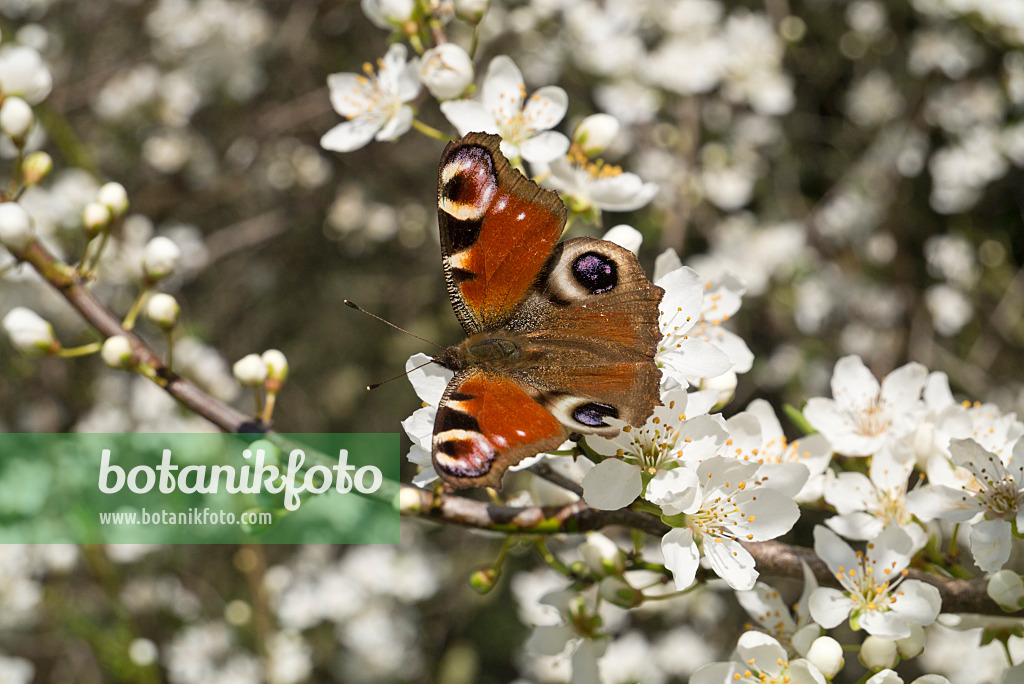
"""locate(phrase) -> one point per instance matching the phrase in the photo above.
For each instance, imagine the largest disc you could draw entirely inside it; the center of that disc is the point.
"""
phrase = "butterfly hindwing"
(485, 423)
(497, 230)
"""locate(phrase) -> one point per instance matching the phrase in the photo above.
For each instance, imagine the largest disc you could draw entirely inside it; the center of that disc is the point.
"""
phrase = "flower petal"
(991, 543)
(612, 484)
(829, 606)
(543, 147)
(468, 116)
(545, 108)
(350, 135)
(682, 556)
(503, 88)
(917, 602)
(731, 562)
(676, 491)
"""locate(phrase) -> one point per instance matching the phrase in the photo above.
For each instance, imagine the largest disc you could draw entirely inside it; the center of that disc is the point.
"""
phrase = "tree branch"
(774, 559)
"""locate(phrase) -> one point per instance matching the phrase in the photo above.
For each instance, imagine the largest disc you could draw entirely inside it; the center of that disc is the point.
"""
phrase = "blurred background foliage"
(857, 163)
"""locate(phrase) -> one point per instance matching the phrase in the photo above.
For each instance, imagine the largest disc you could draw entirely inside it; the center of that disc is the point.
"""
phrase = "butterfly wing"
(498, 228)
(485, 423)
(591, 324)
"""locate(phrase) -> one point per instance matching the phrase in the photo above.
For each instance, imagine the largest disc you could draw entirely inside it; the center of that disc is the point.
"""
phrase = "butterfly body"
(559, 335)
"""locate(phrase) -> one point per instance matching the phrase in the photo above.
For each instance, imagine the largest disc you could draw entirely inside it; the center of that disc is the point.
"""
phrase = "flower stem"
(133, 313)
(84, 350)
(428, 131)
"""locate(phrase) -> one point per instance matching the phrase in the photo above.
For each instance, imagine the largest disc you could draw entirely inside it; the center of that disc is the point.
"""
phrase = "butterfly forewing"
(497, 230)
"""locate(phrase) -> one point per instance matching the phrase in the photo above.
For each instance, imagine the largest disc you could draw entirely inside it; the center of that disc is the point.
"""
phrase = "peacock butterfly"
(561, 335)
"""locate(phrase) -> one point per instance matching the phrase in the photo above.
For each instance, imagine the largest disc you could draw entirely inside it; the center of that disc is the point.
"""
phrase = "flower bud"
(446, 71)
(826, 654)
(277, 365)
(388, 14)
(163, 310)
(250, 371)
(602, 555)
(95, 218)
(29, 332)
(913, 645)
(36, 167)
(876, 653)
(16, 118)
(483, 581)
(1007, 589)
(117, 352)
(160, 258)
(114, 197)
(886, 676)
(625, 236)
(471, 10)
(617, 591)
(595, 133)
(15, 226)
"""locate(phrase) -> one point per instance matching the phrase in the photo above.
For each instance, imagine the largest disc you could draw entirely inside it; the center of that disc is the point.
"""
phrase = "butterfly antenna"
(362, 310)
(378, 384)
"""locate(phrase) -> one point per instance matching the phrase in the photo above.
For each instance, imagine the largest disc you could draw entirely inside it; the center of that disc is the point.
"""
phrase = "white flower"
(791, 626)
(16, 670)
(16, 117)
(595, 133)
(160, 257)
(29, 332)
(23, 73)
(995, 493)
(250, 370)
(117, 351)
(867, 504)
(375, 104)
(277, 364)
(625, 235)
(1007, 589)
(113, 196)
(876, 653)
(682, 357)
(388, 14)
(723, 503)
(827, 655)
(446, 71)
(429, 381)
(678, 430)
(759, 658)
(756, 435)
(163, 310)
(15, 226)
(722, 299)
(888, 676)
(862, 416)
(875, 595)
(594, 184)
(524, 128)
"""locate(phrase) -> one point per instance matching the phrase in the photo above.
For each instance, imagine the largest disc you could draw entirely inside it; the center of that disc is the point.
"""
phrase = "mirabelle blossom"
(993, 499)
(867, 504)
(875, 594)
(683, 357)
(374, 104)
(523, 123)
(755, 434)
(679, 430)
(759, 658)
(790, 625)
(722, 502)
(863, 416)
(586, 184)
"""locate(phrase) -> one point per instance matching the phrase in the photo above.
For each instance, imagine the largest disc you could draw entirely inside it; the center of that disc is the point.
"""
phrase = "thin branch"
(774, 559)
(68, 283)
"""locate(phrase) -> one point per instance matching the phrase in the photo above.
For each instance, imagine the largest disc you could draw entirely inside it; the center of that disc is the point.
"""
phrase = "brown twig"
(774, 559)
